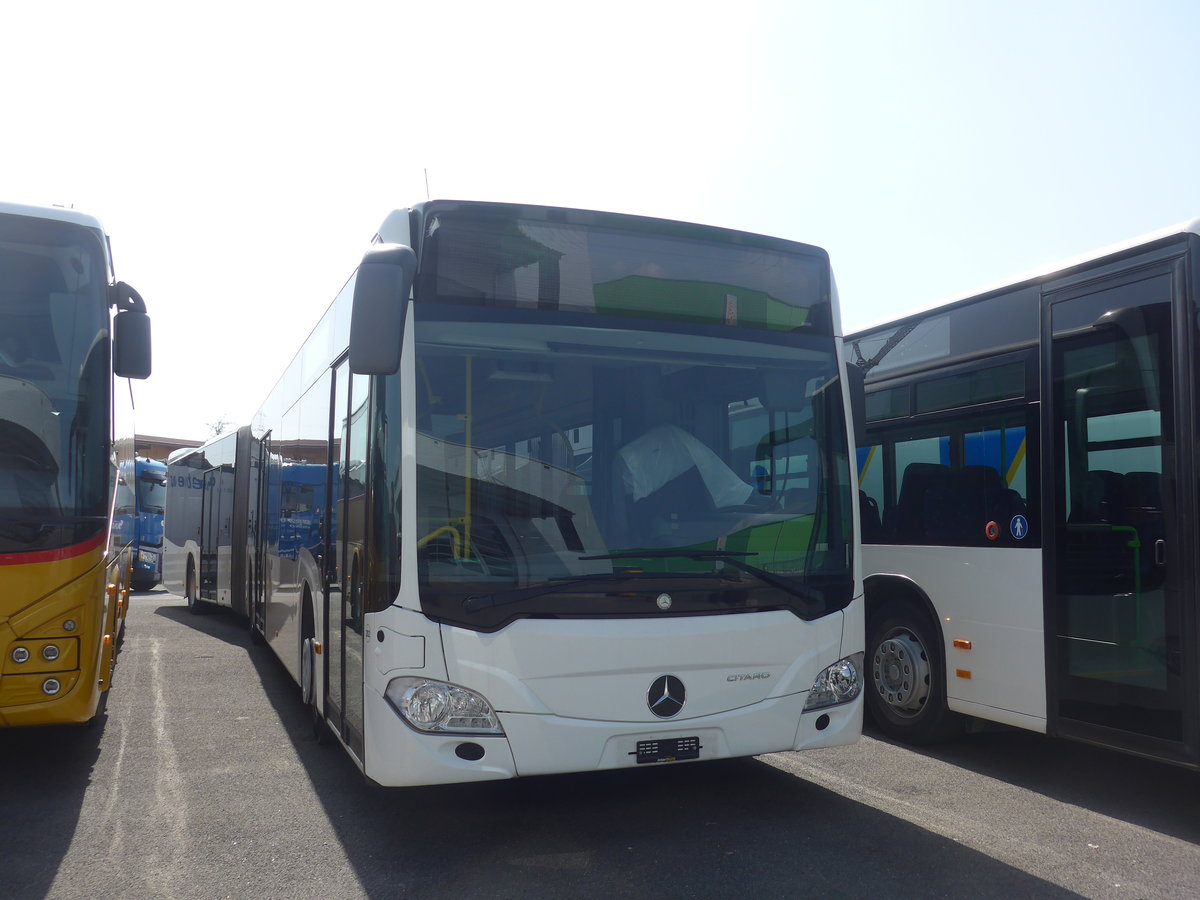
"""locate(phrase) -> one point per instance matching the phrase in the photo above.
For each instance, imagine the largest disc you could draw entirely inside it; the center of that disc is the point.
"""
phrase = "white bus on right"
(1030, 512)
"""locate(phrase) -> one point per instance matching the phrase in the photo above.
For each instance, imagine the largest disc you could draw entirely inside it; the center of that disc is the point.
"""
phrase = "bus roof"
(59, 213)
(395, 226)
(1191, 226)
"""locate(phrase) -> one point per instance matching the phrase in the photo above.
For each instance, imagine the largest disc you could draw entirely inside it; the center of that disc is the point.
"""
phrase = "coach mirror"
(130, 333)
(381, 290)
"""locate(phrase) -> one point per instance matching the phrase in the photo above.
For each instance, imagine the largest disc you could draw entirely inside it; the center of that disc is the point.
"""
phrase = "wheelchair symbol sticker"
(1018, 527)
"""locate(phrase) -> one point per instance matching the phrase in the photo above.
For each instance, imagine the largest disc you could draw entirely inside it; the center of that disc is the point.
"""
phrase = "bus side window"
(870, 492)
(965, 486)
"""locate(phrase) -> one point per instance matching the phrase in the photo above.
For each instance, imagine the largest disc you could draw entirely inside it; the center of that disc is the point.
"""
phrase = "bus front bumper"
(397, 755)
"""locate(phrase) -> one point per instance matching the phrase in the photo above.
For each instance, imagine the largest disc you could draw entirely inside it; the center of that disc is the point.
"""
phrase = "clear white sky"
(242, 154)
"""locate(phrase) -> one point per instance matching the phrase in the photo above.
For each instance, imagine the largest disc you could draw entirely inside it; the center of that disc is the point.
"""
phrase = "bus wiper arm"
(476, 602)
(814, 599)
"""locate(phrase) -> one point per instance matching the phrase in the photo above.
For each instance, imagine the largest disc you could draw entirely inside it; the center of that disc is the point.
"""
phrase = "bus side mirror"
(855, 381)
(131, 344)
(381, 290)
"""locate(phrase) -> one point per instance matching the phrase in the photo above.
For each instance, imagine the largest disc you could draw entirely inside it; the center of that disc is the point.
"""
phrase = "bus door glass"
(215, 538)
(1113, 612)
(349, 424)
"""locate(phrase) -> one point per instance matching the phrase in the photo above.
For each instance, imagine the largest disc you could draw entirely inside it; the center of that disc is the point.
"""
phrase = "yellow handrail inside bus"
(455, 538)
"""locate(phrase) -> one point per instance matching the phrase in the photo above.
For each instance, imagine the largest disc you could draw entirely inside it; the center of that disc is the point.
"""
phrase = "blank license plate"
(668, 750)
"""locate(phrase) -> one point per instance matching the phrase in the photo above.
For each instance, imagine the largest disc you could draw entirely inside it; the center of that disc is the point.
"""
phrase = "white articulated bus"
(1028, 486)
(550, 490)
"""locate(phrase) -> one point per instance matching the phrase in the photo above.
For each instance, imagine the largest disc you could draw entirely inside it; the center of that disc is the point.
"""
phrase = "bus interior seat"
(1142, 490)
(871, 523)
(674, 514)
(1100, 499)
(924, 493)
(981, 497)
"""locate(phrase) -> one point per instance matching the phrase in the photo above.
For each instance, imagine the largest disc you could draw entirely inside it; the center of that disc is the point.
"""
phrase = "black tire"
(906, 677)
(191, 591)
(308, 673)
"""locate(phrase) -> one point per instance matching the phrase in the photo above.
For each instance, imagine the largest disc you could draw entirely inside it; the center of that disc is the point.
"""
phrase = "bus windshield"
(54, 379)
(574, 467)
(152, 492)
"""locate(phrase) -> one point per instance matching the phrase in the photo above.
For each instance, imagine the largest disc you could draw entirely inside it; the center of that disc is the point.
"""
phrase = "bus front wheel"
(906, 685)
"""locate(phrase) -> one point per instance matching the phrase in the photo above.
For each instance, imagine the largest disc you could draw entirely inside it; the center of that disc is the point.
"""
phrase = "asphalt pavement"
(205, 781)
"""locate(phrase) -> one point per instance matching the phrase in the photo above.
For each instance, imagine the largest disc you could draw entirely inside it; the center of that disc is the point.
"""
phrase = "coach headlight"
(436, 707)
(839, 683)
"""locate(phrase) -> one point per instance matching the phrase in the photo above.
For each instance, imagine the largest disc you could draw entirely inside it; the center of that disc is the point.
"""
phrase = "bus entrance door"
(1115, 559)
(345, 659)
(216, 534)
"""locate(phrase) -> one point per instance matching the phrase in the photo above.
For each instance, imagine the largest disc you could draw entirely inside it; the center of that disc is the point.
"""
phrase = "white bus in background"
(550, 490)
(1029, 493)
(208, 511)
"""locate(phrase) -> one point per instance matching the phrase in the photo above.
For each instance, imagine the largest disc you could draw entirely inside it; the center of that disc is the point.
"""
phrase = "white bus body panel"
(285, 580)
(594, 668)
(572, 694)
(181, 525)
(1007, 658)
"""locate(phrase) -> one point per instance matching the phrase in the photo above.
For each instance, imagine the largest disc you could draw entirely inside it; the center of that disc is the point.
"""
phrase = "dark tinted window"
(1005, 321)
(1006, 382)
(614, 265)
(55, 378)
(890, 403)
(962, 483)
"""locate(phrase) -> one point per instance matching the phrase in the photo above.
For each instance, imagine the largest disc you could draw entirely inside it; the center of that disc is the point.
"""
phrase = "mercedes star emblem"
(665, 697)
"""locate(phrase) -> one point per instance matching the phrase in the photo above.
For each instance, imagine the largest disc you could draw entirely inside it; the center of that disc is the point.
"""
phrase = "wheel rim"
(900, 670)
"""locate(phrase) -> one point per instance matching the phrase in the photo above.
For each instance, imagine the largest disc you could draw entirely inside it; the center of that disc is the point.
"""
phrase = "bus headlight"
(839, 683)
(439, 708)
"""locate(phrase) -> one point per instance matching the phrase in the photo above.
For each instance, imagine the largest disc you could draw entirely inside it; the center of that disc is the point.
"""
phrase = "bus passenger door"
(215, 532)
(349, 428)
(1117, 558)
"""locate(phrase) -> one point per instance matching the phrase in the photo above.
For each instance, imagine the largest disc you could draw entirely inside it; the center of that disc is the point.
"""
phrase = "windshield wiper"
(814, 599)
(476, 602)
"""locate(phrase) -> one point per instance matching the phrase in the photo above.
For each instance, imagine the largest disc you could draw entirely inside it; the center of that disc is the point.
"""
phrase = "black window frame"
(956, 424)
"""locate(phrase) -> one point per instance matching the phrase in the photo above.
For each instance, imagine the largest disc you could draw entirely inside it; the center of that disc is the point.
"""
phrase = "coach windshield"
(54, 379)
